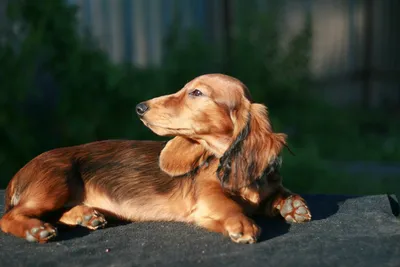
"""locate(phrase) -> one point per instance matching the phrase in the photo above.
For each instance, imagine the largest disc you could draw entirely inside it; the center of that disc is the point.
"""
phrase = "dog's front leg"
(217, 212)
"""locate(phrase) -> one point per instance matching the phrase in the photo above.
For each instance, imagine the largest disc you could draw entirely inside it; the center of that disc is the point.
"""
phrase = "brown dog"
(221, 166)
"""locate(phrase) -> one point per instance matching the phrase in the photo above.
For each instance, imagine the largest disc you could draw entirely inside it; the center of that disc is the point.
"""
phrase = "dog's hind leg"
(23, 222)
(30, 204)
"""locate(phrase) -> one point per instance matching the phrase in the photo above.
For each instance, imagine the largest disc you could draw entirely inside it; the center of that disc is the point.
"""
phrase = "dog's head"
(213, 116)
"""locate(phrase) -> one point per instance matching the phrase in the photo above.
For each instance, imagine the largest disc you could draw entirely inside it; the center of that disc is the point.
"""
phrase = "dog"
(220, 167)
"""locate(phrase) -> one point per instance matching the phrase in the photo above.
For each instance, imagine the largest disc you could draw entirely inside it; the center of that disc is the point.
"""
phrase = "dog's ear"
(255, 149)
(181, 156)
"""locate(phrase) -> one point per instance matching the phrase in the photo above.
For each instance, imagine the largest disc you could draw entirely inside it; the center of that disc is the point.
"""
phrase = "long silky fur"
(249, 163)
(225, 166)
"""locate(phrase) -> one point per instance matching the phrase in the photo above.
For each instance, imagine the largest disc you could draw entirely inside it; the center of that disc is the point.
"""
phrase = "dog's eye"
(196, 92)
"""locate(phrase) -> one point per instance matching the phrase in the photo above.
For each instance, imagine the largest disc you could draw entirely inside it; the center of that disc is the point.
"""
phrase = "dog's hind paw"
(41, 234)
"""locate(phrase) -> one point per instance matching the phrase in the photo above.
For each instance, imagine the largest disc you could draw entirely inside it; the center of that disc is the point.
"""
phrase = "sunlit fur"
(214, 172)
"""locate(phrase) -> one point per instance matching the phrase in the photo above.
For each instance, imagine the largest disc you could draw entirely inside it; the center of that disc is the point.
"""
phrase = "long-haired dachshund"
(221, 167)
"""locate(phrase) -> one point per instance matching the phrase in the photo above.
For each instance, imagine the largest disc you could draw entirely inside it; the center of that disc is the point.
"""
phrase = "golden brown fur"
(221, 166)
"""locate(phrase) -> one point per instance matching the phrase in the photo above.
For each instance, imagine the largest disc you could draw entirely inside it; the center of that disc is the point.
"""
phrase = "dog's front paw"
(242, 229)
(294, 209)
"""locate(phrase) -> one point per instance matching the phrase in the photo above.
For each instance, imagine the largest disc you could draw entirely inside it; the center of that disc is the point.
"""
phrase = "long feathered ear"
(182, 156)
(254, 153)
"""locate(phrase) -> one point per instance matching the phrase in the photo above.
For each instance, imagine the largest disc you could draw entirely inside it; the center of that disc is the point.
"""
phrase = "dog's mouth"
(156, 127)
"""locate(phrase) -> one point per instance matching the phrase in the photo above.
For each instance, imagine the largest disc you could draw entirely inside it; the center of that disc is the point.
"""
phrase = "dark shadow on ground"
(324, 206)
(271, 227)
(321, 207)
(66, 232)
(394, 205)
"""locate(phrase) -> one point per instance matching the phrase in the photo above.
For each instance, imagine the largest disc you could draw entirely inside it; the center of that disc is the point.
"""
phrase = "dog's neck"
(217, 145)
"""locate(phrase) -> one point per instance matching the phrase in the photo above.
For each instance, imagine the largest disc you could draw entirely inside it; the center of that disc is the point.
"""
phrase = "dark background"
(72, 72)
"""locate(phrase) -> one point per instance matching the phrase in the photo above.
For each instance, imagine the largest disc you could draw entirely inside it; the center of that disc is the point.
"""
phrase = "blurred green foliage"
(59, 89)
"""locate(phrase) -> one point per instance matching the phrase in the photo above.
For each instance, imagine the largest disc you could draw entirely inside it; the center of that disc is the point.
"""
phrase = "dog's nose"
(141, 108)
